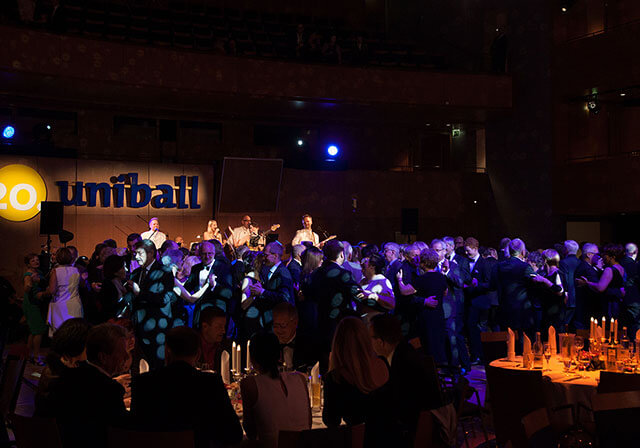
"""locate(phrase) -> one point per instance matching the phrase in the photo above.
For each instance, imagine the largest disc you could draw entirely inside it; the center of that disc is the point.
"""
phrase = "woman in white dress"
(272, 401)
(63, 287)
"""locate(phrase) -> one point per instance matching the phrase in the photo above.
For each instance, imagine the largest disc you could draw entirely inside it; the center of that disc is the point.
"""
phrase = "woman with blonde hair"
(212, 232)
(353, 386)
(553, 296)
(63, 287)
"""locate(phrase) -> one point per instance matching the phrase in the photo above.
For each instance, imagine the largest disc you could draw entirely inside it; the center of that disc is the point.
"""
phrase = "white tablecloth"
(560, 388)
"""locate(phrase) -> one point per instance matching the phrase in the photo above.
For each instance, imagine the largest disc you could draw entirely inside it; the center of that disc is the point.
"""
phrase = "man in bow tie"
(219, 293)
(296, 352)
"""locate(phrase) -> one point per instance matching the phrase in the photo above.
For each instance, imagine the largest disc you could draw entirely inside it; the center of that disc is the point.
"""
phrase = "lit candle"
(248, 356)
(615, 329)
(604, 327)
(233, 357)
(612, 325)
(591, 328)
(239, 359)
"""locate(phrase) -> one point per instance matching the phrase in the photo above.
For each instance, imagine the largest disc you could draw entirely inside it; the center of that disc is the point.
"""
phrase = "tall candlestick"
(591, 328)
(239, 359)
(248, 356)
(234, 367)
(615, 330)
(604, 327)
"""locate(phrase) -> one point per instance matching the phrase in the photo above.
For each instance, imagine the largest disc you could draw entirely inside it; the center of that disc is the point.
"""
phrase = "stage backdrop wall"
(94, 224)
(355, 205)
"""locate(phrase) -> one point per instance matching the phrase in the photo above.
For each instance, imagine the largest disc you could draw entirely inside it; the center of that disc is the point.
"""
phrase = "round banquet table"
(559, 387)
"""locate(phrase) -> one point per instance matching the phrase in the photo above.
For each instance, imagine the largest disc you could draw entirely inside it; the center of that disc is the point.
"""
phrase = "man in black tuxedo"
(219, 294)
(453, 307)
(238, 266)
(295, 264)
(587, 300)
(179, 397)
(392, 257)
(461, 260)
(277, 285)
(503, 253)
(297, 352)
(477, 296)
(568, 267)
(407, 304)
(513, 279)
(153, 303)
(130, 257)
(333, 289)
(490, 256)
(86, 400)
(631, 309)
(412, 386)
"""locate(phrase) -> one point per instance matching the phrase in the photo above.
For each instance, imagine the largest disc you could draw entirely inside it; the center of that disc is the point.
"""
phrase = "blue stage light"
(332, 150)
(8, 132)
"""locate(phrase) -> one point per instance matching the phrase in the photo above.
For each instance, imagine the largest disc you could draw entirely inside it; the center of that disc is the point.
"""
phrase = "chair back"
(35, 432)
(611, 382)
(514, 394)
(338, 437)
(126, 438)
(494, 345)
(10, 384)
(424, 431)
(616, 417)
(538, 429)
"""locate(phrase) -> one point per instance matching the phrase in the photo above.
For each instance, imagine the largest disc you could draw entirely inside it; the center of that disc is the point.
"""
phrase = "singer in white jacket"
(154, 234)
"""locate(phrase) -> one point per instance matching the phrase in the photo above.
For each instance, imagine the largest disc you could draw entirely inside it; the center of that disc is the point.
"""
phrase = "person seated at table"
(413, 386)
(67, 351)
(87, 400)
(355, 386)
(272, 401)
(178, 396)
(297, 351)
(213, 322)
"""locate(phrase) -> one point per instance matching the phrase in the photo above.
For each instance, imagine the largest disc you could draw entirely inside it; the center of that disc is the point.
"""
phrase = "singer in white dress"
(63, 287)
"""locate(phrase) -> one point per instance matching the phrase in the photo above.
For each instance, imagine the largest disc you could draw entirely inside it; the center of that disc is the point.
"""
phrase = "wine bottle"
(538, 352)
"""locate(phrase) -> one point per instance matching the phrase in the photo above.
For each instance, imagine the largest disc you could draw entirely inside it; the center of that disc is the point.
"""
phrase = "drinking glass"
(578, 342)
(547, 353)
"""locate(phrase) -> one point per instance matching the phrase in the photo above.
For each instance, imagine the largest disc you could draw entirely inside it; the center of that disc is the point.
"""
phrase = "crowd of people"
(373, 318)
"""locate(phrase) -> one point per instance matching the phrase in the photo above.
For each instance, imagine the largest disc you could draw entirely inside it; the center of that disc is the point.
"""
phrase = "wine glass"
(547, 353)
(578, 343)
(566, 360)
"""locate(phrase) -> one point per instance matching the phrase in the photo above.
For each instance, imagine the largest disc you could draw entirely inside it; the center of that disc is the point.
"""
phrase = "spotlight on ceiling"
(8, 132)
(332, 150)
(300, 142)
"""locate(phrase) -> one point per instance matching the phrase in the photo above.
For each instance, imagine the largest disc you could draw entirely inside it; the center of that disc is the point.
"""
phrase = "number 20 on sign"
(22, 190)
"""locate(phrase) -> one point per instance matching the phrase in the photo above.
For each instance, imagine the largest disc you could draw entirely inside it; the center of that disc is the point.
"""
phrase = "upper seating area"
(227, 31)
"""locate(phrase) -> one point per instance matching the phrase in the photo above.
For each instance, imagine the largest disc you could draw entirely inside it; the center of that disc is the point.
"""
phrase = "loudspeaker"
(168, 131)
(409, 221)
(51, 218)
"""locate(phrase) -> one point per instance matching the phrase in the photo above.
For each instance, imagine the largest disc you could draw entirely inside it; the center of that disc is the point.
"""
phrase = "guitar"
(257, 242)
(321, 243)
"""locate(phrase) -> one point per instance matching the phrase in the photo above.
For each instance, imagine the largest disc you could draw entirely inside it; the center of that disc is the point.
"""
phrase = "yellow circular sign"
(22, 190)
